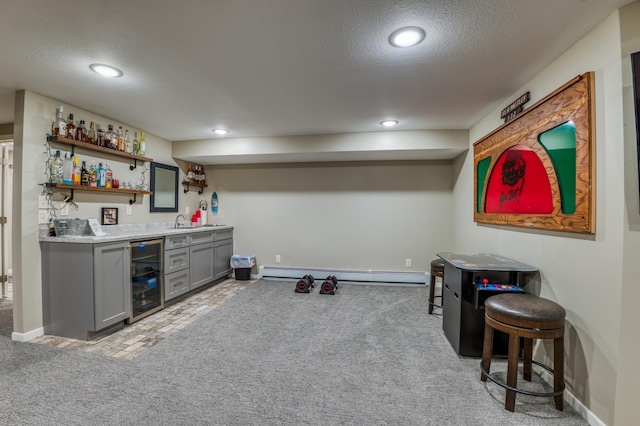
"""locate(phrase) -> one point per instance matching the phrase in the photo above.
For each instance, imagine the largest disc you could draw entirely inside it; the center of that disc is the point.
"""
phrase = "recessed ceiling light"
(407, 36)
(220, 131)
(105, 70)
(389, 123)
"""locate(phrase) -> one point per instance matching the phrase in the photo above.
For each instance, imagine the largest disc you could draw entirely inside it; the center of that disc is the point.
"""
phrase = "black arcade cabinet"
(469, 279)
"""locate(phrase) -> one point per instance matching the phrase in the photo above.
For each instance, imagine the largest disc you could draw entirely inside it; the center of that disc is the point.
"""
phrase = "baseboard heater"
(347, 276)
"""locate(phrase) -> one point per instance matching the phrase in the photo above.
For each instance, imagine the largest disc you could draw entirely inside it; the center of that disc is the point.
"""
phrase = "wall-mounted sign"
(515, 108)
(537, 170)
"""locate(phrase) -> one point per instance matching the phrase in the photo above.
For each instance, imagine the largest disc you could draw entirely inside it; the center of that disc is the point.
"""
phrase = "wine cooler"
(146, 278)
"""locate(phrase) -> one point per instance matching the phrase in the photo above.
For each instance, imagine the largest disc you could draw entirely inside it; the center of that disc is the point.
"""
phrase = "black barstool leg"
(432, 288)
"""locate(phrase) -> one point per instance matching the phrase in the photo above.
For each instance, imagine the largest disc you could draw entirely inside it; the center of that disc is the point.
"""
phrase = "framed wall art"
(109, 216)
(538, 170)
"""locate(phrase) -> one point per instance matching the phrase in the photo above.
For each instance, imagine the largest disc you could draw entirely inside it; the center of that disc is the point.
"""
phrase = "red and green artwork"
(536, 170)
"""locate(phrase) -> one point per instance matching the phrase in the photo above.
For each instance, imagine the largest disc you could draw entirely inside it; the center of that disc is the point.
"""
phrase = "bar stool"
(437, 270)
(529, 317)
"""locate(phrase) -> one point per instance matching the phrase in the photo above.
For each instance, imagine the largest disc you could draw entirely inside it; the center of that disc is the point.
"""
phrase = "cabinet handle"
(456, 295)
(446, 287)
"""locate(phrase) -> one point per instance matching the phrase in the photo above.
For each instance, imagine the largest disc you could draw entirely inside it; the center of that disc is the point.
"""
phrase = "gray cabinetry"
(223, 250)
(176, 284)
(201, 260)
(85, 291)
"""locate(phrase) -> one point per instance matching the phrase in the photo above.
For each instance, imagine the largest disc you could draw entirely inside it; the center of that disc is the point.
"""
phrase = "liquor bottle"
(67, 169)
(120, 139)
(190, 175)
(75, 173)
(81, 132)
(110, 138)
(128, 146)
(71, 128)
(134, 147)
(101, 176)
(93, 178)
(91, 134)
(56, 169)
(108, 176)
(84, 174)
(60, 128)
(142, 147)
(101, 138)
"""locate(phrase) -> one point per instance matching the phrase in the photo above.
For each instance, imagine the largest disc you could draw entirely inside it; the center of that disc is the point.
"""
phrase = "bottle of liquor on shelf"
(56, 169)
(91, 134)
(120, 139)
(128, 146)
(84, 174)
(101, 176)
(101, 139)
(134, 146)
(75, 173)
(60, 126)
(142, 146)
(110, 138)
(67, 169)
(93, 178)
(108, 176)
(71, 128)
(190, 175)
(81, 132)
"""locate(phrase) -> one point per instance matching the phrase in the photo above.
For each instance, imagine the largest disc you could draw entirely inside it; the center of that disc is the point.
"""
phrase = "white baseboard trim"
(30, 335)
(571, 399)
(347, 276)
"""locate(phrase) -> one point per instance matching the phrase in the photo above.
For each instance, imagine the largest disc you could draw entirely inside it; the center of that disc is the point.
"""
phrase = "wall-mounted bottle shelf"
(200, 186)
(73, 188)
(102, 150)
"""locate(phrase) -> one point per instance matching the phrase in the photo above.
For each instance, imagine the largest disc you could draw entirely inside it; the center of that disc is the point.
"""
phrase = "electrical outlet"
(277, 258)
(64, 211)
(187, 210)
(129, 209)
(407, 263)
(43, 217)
(42, 201)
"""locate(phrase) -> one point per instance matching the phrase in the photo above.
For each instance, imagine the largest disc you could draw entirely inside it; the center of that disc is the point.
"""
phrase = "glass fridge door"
(146, 279)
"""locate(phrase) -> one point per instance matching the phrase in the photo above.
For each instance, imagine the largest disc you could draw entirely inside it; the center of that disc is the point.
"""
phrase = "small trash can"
(242, 264)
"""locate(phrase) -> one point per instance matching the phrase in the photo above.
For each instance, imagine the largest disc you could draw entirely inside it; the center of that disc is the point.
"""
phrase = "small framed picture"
(109, 216)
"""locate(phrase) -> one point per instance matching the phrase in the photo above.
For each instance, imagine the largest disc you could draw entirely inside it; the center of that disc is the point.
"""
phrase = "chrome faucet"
(178, 222)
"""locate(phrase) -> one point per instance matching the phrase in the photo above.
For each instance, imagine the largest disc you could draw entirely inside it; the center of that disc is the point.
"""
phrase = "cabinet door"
(201, 264)
(112, 283)
(222, 262)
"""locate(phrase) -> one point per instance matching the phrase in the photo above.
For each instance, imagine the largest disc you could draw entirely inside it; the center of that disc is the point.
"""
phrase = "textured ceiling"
(284, 67)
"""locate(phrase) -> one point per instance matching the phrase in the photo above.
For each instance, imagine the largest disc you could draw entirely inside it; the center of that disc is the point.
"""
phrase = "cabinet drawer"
(176, 284)
(175, 241)
(223, 234)
(176, 260)
(201, 237)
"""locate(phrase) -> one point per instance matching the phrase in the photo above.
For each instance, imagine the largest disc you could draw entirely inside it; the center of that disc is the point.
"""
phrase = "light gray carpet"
(367, 356)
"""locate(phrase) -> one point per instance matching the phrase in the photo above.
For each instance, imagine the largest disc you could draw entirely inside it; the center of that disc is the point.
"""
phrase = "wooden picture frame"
(109, 216)
(538, 170)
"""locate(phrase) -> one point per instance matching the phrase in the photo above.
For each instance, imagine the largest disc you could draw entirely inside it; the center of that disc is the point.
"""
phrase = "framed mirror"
(164, 187)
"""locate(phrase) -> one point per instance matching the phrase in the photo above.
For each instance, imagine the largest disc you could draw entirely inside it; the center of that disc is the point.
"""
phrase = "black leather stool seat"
(528, 317)
(437, 270)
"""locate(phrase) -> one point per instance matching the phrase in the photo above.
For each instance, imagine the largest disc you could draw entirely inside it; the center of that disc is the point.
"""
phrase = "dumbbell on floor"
(305, 284)
(329, 286)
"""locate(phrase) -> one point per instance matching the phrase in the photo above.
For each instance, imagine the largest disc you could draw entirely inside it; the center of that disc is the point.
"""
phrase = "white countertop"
(133, 232)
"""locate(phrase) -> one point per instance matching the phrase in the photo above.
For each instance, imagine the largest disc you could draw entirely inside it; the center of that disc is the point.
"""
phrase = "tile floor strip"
(140, 336)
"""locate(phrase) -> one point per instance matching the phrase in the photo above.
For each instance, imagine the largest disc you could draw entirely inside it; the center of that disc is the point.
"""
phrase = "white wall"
(33, 117)
(337, 215)
(582, 273)
(628, 383)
